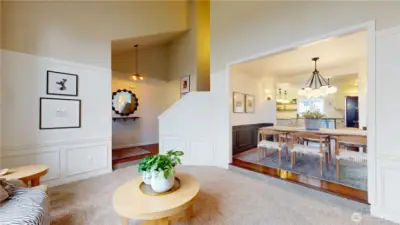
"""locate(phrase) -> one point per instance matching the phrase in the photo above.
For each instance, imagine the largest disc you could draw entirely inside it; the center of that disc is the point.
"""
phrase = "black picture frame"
(133, 95)
(59, 99)
(67, 74)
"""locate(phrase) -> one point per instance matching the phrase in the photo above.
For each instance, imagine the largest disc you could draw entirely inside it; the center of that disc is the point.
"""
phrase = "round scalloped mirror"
(124, 102)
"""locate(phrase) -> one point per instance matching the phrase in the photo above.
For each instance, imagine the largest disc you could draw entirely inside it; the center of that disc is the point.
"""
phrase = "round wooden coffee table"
(31, 173)
(131, 203)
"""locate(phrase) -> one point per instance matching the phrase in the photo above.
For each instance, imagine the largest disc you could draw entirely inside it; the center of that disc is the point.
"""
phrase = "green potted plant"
(159, 170)
(144, 168)
(313, 119)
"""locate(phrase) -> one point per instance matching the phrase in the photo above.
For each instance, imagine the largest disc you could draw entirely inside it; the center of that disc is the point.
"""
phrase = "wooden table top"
(332, 132)
(26, 173)
(130, 202)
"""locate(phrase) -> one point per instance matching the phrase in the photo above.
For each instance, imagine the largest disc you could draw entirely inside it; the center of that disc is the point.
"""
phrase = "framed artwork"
(62, 83)
(250, 104)
(57, 113)
(238, 102)
(185, 84)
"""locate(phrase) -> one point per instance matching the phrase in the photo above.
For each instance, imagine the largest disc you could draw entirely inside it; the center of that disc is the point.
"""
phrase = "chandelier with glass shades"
(316, 86)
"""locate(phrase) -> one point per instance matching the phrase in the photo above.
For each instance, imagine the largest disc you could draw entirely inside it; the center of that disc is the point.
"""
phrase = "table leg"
(35, 182)
(189, 212)
(124, 221)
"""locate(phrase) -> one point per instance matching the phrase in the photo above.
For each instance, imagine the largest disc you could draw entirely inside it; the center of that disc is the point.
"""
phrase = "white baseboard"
(133, 145)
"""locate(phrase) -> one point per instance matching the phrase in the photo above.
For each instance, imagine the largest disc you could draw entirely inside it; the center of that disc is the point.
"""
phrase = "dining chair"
(320, 151)
(343, 154)
(265, 144)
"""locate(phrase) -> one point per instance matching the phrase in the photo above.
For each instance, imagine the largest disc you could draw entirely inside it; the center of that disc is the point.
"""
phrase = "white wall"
(71, 154)
(387, 155)
(187, 126)
(265, 111)
(155, 96)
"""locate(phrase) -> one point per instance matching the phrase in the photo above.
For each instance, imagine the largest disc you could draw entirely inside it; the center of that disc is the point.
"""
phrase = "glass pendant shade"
(332, 89)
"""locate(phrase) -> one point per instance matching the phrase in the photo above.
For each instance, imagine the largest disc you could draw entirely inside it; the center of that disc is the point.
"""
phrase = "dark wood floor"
(321, 185)
(122, 155)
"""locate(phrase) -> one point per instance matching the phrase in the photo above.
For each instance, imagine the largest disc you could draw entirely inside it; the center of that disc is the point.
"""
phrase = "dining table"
(332, 133)
(322, 131)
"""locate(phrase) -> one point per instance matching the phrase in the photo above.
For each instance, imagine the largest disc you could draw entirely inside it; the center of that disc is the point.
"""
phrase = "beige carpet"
(226, 197)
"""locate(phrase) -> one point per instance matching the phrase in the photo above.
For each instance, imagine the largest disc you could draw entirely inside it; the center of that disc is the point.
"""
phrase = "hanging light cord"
(137, 58)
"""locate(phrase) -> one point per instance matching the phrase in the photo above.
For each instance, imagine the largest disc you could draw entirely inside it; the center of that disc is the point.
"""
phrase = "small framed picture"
(62, 83)
(185, 84)
(238, 102)
(250, 104)
(57, 113)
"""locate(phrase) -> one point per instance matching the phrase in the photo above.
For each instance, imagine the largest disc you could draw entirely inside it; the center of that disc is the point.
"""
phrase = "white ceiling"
(338, 56)
(124, 45)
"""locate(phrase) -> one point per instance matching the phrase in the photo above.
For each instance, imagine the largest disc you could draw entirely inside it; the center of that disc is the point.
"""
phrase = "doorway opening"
(274, 81)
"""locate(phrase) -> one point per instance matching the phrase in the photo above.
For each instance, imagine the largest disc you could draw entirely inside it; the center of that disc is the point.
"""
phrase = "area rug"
(351, 173)
(226, 198)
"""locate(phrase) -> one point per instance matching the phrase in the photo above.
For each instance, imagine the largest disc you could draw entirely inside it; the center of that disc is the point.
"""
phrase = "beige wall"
(153, 62)
(190, 54)
(82, 31)
(203, 45)
(244, 28)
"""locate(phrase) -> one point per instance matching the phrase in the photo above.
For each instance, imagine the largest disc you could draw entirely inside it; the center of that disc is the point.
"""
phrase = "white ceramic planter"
(147, 177)
(158, 182)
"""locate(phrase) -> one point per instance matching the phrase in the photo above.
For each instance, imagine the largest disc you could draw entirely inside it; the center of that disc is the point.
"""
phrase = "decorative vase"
(312, 124)
(158, 182)
(147, 177)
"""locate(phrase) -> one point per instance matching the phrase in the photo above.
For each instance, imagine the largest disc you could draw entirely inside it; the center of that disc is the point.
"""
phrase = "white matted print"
(62, 83)
(185, 84)
(56, 113)
(250, 103)
(238, 102)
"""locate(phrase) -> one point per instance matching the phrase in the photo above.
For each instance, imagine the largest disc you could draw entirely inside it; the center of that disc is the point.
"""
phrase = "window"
(310, 104)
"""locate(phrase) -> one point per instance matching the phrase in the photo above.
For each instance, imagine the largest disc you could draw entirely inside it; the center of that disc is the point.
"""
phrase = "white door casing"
(387, 151)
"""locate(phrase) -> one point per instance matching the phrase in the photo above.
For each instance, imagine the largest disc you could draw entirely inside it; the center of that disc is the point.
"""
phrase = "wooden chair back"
(323, 139)
(263, 134)
(356, 140)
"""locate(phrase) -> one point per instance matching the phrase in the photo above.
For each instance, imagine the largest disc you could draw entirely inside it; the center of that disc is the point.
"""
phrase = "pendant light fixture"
(137, 76)
(316, 86)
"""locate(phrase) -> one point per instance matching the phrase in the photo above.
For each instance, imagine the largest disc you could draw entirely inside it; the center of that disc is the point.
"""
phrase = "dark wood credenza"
(244, 137)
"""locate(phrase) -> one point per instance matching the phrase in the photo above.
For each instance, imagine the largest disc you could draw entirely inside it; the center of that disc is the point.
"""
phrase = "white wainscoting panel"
(167, 143)
(85, 159)
(67, 161)
(49, 158)
(202, 151)
(387, 205)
